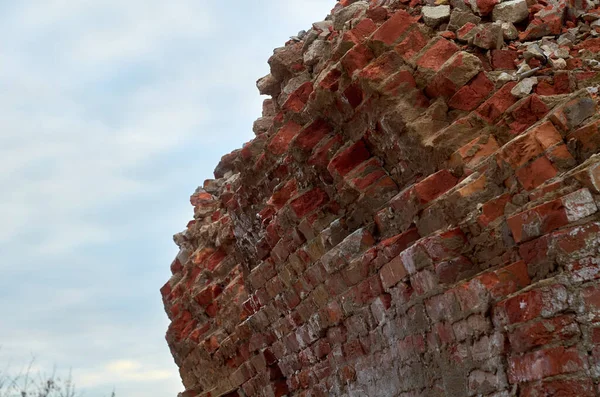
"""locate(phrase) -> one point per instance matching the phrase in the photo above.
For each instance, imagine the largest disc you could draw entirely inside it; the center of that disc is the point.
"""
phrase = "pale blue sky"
(111, 113)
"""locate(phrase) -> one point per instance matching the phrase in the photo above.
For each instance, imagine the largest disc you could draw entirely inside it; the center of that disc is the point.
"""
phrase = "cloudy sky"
(111, 113)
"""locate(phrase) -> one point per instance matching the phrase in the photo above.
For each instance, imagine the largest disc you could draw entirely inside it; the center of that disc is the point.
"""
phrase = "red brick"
(560, 388)
(591, 44)
(424, 281)
(392, 272)
(561, 157)
(394, 28)
(546, 135)
(462, 33)
(308, 202)
(297, 99)
(493, 209)
(208, 294)
(412, 44)
(455, 73)
(577, 241)
(494, 107)
(215, 259)
(435, 185)
(348, 159)
(331, 80)
(504, 59)
(531, 304)
(356, 59)
(444, 245)
(362, 30)
(546, 22)
(365, 174)
(505, 281)
(353, 349)
(411, 347)
(280, 142)
(543, 332)
(521, 150)
(354, 94)
(323, 153)
(455, 269)
(552, 215)
(545, 363)
(281, 196)
(437, 54)
(473, 94)
(587, 138)
(591, 301)
(399, 83)
(366, 291)
(393, 246)
(485, 7)
(474, 152)
(165, 290)
(312, 134)
(538, 221)
(526, 113)
(584, 269)
(536, 173)
(377, 13)
(381, 68)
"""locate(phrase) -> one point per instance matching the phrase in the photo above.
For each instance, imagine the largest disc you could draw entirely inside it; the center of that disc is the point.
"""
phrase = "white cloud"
(123, 370)
(111, 114)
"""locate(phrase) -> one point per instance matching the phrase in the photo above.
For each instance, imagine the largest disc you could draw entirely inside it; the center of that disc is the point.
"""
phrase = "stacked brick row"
(412, 218)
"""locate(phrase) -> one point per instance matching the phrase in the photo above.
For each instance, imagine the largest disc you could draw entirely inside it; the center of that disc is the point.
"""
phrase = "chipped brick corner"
(416, 216)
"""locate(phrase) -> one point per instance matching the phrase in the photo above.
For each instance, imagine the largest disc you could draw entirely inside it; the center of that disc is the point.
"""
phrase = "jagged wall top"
(418, 209)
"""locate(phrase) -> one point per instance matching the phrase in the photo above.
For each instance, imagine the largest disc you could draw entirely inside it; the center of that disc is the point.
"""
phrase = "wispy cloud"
(111, 114)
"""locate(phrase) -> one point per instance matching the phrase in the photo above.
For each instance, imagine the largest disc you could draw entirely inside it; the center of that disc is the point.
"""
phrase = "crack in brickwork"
(416, 216)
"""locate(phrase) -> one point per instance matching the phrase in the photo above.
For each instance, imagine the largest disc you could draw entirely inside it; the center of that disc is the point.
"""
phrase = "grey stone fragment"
(311, 36)
(577, 112)
(568, 39)
(505, 77)
(589, 17)
(347, 13)
(268, 85)
(316, 51)
(341, 254)
(459, 5)
(511, 11)
(524, 87)
(283, 60)
(471, 66)
(323, 25)
(490, 36)
(535, 51)
(562, 53)
(459, 18)
(262, 125)
(559, 64)
(435, 16)
(324, 34)
(469, 37)
(509, 31)
(292, 85)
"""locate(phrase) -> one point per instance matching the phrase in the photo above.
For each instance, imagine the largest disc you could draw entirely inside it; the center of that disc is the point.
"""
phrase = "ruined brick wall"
(416, 216)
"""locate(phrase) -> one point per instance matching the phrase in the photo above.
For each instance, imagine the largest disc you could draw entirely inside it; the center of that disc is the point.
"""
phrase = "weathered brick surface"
(408, 221)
